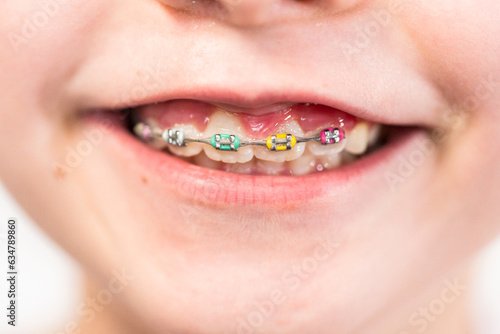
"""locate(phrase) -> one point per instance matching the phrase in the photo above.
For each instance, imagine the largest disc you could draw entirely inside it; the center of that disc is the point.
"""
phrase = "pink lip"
(213, 187)
(237, 101)
(363, 178)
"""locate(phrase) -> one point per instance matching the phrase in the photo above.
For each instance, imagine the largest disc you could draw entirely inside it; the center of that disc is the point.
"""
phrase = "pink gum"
(310, 117)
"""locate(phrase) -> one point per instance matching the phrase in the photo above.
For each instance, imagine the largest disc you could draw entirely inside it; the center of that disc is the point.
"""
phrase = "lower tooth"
(330, 161)
(303, 165)
(244, 168)
(204, 161)
(270, 167)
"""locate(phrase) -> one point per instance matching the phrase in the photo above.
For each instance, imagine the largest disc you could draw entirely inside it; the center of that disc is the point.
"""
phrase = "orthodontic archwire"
(228, 142)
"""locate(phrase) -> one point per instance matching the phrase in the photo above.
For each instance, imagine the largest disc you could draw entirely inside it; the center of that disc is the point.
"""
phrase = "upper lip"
(417, 105)
(235, 101)
(184, 178)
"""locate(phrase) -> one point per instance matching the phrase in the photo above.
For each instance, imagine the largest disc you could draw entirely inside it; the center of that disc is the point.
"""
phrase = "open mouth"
(214, 149)
(287, 139)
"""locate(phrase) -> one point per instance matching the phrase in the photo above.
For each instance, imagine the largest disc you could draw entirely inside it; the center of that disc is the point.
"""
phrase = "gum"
(310, 117)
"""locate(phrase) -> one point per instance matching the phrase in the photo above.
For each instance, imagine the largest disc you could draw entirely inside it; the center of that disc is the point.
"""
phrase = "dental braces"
(229, 142)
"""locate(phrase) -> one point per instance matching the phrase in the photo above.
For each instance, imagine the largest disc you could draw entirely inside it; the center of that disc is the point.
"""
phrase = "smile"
(300, 139)
(212, 153)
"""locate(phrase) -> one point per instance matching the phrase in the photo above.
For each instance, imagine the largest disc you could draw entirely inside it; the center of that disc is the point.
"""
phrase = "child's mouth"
(372, 144)
(286, 139)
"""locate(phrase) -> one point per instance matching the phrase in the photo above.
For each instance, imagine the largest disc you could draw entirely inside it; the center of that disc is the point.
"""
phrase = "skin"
(196, 271)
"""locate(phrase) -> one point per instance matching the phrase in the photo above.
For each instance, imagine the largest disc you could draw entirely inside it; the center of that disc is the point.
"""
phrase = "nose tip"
(265, 12)
(261, 12)
(257, 13)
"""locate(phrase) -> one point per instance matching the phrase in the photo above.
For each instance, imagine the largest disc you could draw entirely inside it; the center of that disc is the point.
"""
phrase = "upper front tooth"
(225, 123)
(357, 138)
(263, 153)
(319, 149)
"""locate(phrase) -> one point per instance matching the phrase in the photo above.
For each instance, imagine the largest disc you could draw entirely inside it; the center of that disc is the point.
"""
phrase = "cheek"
(45, 42)
(38, 55)
(43, 46)
(459, 46)
(458, 41)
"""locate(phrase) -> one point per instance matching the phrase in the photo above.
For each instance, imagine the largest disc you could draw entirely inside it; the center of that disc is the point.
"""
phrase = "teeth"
(152, 140)
(303, 158)
(305, 165)
(357, 139)
(318, 149)
(264, 153)
(330, 161)
(202, 160)
(189, 150)
(374, 135)
(226, 123)
(186, 151)
(270, 167)
(244, 168)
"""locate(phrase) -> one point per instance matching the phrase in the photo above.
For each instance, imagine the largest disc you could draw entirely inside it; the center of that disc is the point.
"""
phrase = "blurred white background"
(50, 282)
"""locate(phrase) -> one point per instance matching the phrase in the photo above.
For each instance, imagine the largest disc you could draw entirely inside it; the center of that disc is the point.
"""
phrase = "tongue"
(309, 116)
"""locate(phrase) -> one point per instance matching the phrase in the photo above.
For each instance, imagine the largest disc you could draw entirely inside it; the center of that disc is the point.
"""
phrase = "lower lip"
(213, 187)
